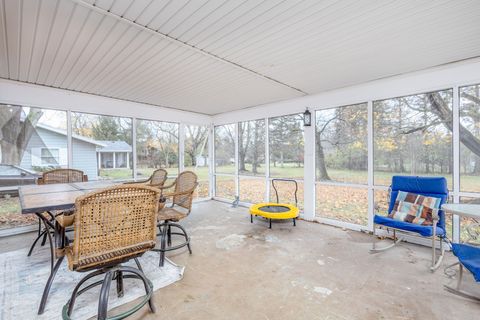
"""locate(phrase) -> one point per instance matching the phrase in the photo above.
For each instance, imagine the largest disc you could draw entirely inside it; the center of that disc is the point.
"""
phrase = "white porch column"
(309, 171)
(69, 139)
(370, 167)
(211, 162)
(181, 147)
(456, 162)
(99, 160)
(237, 178)
(134, 148)
(114, 161)
(267, 161)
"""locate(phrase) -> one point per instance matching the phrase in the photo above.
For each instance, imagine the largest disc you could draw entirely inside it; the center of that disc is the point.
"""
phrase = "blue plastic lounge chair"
(468, 257)
(426, 186)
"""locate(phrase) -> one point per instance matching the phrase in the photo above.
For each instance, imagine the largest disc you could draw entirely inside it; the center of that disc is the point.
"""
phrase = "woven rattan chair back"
(113, 225)
(158, 178)
(62, 176)
(186, 183)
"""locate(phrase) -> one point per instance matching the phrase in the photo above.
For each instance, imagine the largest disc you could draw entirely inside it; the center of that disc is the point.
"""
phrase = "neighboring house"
(113, 154)
(48, 148)
(201, 161)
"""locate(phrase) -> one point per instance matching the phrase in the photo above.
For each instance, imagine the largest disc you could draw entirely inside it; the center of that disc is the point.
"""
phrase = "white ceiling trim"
(449, 76)
(33, 95)
(185, 45)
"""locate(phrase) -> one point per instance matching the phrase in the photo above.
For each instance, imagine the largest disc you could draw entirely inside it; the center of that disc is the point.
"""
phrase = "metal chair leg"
(458, 291)
(162, 247)
(103, 299)
(44, 240)
(374, 244)
(169, 236)
(187, 238)
(71, 303)
(52, 246)
(147, 284)
(40, 235)
(436, 263)
(137, 262)
(433, 252)
(166, 231)
(184, 234)
(43, 302)
(112, 273)
(119, 280)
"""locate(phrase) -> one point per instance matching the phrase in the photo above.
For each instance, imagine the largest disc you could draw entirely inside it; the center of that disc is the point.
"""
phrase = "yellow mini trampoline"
(276, 211)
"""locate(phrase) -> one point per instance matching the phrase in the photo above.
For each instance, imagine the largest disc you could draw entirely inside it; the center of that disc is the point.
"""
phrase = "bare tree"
(196, 138)
(441, 109)
(16, 132)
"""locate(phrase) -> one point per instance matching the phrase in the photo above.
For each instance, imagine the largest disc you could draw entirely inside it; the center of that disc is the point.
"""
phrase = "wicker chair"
(182, 198)
(62, 176)
(157, 179)
(111, 226)
(51, 177)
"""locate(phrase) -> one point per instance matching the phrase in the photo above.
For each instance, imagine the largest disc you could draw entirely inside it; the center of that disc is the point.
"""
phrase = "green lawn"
(144, 173)
(9, 205)
(10, 215)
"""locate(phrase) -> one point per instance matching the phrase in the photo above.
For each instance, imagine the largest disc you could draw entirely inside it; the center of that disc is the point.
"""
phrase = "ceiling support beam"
(185, 45)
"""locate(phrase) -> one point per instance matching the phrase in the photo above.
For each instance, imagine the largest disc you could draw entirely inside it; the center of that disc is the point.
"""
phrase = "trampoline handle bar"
(285, 180)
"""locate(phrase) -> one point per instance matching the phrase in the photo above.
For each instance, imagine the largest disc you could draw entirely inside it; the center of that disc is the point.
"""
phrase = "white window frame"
(57, 159)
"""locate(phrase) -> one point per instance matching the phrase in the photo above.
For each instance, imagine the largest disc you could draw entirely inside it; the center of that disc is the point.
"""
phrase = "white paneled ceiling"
(221, 55)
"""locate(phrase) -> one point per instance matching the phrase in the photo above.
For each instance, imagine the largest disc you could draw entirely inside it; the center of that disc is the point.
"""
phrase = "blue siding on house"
(85, 158)
(84, 153)
(42, 138)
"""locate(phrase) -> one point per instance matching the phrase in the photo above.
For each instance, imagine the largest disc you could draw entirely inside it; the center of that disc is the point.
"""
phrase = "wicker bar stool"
(62, 176)
(52, 177)
(111, 226)
(157, 179)
(180, 208)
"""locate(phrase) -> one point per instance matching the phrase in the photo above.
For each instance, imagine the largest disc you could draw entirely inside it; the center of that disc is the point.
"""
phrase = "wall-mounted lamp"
(307, 118)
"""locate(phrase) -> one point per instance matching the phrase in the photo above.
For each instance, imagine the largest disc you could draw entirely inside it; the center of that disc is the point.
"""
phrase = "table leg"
(47, 232)
(46, 291)
(52, 247)
(49, 226)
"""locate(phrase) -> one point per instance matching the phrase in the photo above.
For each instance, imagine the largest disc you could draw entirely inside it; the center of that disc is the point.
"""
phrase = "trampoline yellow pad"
(272, 210)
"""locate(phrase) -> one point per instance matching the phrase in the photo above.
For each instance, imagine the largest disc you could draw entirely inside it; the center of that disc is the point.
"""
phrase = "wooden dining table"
(49, 197)
(43, 201)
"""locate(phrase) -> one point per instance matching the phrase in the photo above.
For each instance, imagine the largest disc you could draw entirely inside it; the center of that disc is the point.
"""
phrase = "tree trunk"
(193, 157)
(255, 154)
(241, 162)
(16, 134)
(242, 148)
(441, 109)
(320, 161)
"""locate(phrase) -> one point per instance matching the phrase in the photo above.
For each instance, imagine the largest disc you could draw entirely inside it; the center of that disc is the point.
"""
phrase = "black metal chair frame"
(47, 232)
(113, 272)
(165, 234)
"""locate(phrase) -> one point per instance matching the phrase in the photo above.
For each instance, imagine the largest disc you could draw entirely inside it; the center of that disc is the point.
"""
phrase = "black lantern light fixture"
(307, 118)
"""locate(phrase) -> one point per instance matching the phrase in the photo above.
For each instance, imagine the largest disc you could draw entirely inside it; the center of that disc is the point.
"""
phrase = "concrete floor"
(240, 270)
